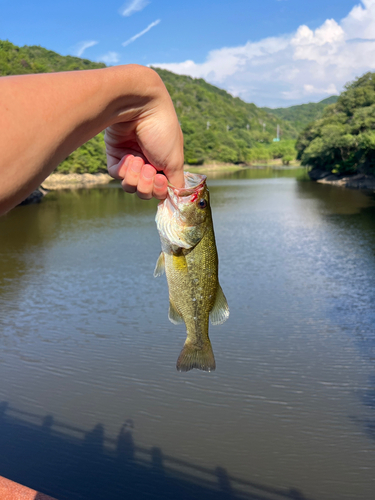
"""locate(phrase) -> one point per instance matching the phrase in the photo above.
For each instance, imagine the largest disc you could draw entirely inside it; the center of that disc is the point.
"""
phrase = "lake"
(91, 404)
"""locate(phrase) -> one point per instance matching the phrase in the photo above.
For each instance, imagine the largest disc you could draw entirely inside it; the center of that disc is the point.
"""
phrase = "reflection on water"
(87, 352)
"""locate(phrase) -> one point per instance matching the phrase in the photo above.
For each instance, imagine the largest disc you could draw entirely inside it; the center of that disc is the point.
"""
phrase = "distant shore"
(58, 181)
(75, 181)
(230, 167)
(358, 181)
(78, 181)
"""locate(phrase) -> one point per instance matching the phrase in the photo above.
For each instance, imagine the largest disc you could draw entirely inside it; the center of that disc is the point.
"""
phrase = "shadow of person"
(125, 443)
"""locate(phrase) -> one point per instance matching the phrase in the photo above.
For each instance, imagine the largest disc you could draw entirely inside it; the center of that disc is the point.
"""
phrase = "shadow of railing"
(69, 463)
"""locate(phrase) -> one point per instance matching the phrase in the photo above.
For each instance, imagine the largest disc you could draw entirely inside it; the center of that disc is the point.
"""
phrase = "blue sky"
(271, 52)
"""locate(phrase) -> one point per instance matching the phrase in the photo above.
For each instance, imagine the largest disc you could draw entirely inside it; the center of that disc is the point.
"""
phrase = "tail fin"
(193, 356)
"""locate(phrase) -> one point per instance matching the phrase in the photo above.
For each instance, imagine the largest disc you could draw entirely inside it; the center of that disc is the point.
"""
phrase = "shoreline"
(230, 167)
(57, 181)
(75, 181)
(357, 181)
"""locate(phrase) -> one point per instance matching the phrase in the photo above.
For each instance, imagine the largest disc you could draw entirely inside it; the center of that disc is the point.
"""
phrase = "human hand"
(140, 177)
(147, 140)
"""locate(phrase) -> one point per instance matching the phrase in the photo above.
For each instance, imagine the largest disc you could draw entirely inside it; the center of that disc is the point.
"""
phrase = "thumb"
(175, 176)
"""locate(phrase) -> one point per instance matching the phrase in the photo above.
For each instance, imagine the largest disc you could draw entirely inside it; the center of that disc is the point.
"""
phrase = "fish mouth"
(194, 183)
(170, 219)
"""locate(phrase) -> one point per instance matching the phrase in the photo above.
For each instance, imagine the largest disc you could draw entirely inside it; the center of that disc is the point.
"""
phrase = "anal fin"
(220, 312)
(173, 315)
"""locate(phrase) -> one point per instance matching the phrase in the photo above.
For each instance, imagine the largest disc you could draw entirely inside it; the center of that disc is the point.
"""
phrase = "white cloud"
(82, 46)
(141, 33)
(133, 6)
(109, 58)
(304, 65)
(360, 21)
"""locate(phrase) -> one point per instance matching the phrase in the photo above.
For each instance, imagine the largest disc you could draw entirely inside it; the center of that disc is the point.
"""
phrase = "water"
(91, 406)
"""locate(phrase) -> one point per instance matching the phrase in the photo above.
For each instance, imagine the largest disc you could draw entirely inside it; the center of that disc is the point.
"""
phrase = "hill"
(22, 60)
(301, 115)
(216, 125)
(343, 140)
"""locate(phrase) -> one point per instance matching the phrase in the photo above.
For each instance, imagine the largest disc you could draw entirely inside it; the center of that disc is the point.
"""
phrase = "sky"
(274, 53)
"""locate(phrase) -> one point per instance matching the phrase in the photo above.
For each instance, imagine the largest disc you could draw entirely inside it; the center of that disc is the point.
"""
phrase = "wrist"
(136, 90)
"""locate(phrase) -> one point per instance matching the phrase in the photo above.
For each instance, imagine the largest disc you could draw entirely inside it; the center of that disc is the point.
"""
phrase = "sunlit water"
(92, 405)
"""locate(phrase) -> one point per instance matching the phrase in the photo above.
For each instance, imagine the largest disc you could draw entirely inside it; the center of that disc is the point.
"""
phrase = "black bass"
(190, 261)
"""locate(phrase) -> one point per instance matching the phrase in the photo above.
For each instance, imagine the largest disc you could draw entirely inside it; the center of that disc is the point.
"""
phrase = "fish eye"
(202, 203)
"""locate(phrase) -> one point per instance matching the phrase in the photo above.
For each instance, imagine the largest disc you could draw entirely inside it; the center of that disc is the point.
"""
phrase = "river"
(91, 405)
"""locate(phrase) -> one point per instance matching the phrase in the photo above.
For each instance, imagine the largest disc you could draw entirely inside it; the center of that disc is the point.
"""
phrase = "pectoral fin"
(173, 315)
(160, 267)
(220, 312)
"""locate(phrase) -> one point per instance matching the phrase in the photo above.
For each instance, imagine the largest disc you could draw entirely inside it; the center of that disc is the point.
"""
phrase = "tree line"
(342, 141)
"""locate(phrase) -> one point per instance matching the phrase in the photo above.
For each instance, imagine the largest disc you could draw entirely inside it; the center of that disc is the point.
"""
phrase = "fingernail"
(159, 181)
(148, 172)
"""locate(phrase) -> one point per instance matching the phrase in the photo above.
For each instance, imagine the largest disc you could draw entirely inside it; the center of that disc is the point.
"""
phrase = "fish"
(190, 261)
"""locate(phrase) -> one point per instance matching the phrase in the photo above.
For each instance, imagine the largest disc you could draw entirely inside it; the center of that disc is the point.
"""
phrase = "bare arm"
(43, 118)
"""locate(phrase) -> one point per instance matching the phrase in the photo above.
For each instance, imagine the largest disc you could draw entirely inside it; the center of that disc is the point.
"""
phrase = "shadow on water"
(368, 398)
(68, 463)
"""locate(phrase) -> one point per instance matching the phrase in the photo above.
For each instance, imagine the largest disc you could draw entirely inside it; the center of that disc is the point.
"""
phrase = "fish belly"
(192, 277)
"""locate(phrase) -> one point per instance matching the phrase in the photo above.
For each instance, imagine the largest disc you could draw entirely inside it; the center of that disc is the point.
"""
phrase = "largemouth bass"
(190, 261)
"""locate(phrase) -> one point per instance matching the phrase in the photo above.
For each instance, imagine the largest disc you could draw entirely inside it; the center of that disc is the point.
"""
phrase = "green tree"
(343, 139)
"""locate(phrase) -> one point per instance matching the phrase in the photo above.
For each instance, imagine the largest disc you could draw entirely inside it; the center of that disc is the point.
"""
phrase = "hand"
(145, 142)
(140, 177)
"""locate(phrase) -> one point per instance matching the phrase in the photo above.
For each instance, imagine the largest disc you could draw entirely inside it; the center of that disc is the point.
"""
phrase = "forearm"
(43, 118)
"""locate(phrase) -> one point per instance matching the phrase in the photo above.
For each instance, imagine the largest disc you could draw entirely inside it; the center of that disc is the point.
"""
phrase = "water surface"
(92, 406)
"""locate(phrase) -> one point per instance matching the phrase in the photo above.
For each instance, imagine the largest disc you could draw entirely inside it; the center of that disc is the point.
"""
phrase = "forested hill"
(22, 60)
(343, 140)
(216, 125)
(301, 115)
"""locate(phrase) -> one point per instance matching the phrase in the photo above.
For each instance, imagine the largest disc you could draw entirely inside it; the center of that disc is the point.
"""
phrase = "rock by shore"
(358, 181)
(35, 197)
(66, 181)
(75, 181)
